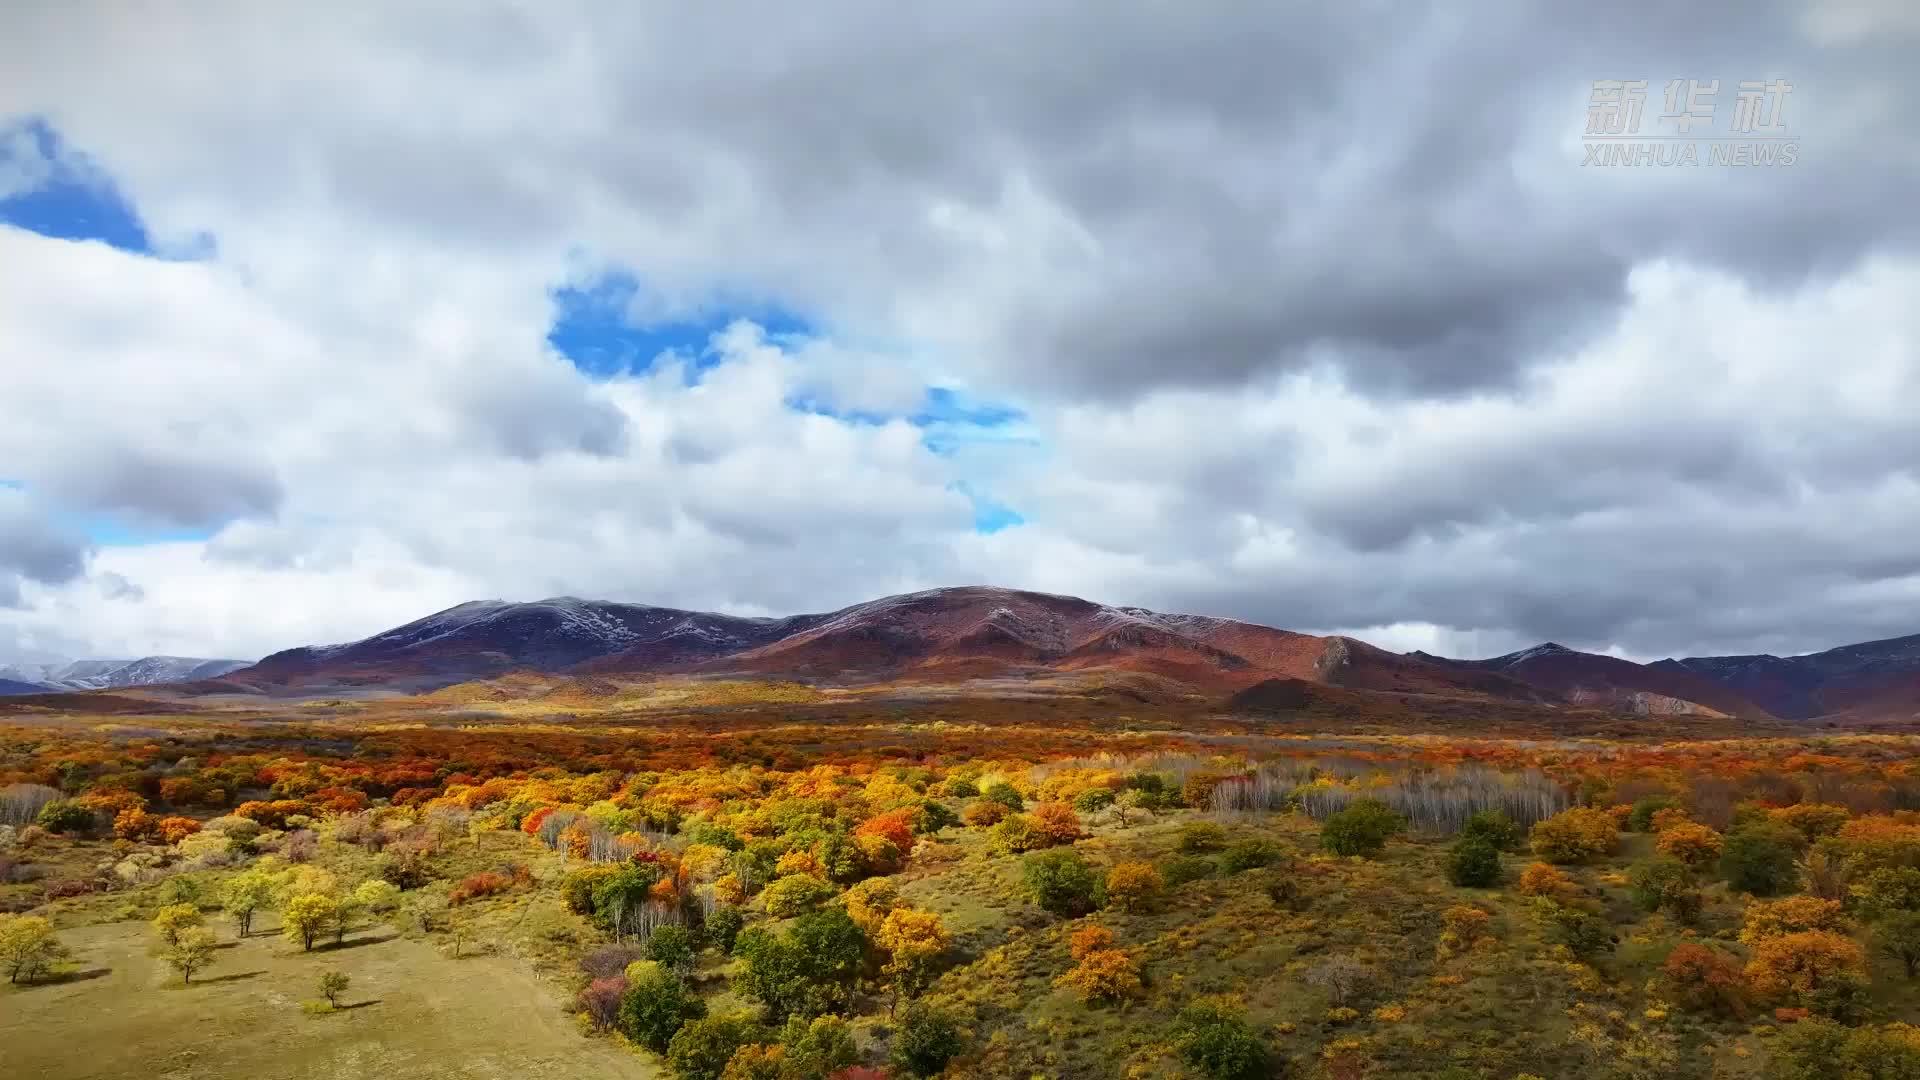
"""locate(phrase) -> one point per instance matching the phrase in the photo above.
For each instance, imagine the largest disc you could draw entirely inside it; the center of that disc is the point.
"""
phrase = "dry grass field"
(412, 1013)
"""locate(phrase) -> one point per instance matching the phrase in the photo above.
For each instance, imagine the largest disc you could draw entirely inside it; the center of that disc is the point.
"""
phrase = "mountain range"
(110, 674)
(978, 632)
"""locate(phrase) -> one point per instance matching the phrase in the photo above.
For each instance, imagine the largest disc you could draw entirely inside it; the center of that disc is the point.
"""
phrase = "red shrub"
(274, 814)
(485, 883)
(601, 1001)
(894, 825)
(531, 825)
(1705, 978)
(339, 800)
(60, 890)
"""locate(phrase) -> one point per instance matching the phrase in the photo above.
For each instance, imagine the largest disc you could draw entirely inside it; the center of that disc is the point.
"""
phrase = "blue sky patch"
(593, 328)
(114, 531)
(946, 406)
(989, 515)
(59, 192)
(945, 417)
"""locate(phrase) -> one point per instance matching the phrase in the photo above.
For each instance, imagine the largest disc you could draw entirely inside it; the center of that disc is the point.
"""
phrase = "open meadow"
(411, 1012)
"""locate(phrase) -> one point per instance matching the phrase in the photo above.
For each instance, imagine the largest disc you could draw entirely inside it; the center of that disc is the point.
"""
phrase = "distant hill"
(1873, 680)
(954, 635)
(1582, 678)
(113, 674)
(937, 635)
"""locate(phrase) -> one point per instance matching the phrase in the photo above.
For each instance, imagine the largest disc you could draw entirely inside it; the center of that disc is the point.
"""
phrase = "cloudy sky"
(317, 318)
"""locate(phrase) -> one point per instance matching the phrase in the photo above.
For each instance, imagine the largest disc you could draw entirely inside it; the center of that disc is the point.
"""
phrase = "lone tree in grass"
(175, 920)
(191, 949)
(244, 894)
(332, 985)
(28, 949)
(307, 917)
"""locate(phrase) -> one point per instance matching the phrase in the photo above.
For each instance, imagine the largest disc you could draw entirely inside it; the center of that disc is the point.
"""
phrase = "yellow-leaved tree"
(175, 920)
(914, 942)
(307, 916)
(28, 949)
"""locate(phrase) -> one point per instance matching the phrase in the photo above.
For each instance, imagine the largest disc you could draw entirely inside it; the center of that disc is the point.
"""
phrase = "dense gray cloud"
(170, 485)
(1314, 315)
(33, 549)
(1087, 199)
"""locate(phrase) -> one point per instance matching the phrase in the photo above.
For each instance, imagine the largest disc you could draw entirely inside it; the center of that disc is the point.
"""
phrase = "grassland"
(411, 1013)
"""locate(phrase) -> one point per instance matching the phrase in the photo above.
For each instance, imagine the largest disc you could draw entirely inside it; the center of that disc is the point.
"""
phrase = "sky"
(316, 319)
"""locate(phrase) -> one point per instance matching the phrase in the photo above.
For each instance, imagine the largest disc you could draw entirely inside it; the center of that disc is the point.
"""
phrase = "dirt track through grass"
(412, 1013)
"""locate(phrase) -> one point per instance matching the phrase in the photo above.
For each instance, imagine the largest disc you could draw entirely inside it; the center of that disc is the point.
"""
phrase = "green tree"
(333, 984)
(1361, 829)
(1887, 890)
(1061, 882)
(1584, 934)
(1180, 869)
(65, 816)
(1496, 828)
(1761, 857)
(1897, 935)
(1219, 1044)
(1824, 1050)
(1200, 837)
(1473, 862)
(1093, 800)
(173, 920)
(619, 897)
(1666, 884)
(346, 915)
(706, 832)
(656, 1005)
(959, 787)
(420, 910)
(841, 858)
(806, 971)
(817, 1049)
(244, 894)
(671, 947)
(702, 1048)
(377, 896)
(190, 950)
(1640, 818)
(927, 1038)
(794, 894)
(1248, 855)
(723, 926)
(1004, 794)
(932, 816)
